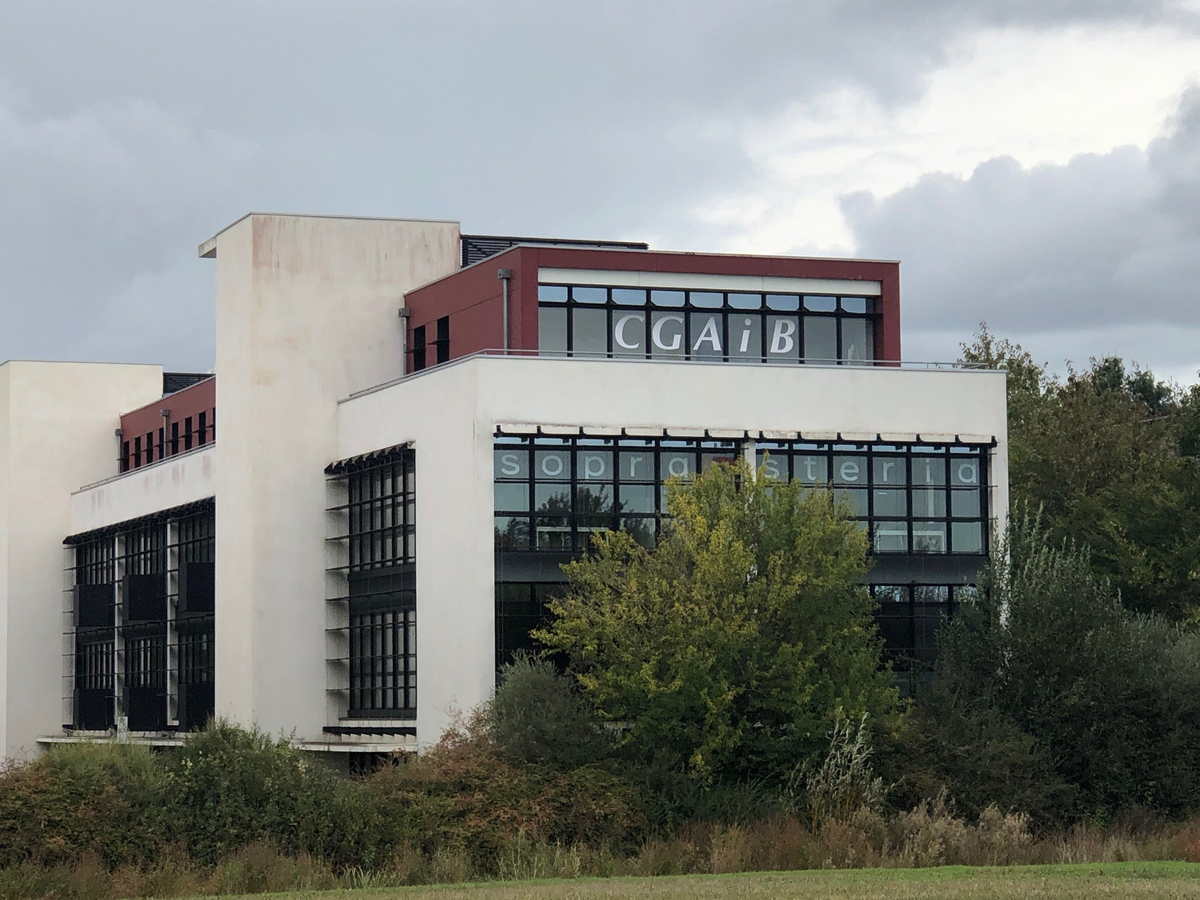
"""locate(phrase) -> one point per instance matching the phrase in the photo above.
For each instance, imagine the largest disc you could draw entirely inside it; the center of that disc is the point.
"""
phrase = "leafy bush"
(537, 717)
(230, 788)
(104, 799)
(1108, 699)
(465, 794)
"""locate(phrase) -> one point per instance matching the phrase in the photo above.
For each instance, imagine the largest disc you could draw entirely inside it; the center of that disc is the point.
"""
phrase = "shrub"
(537, 717)
(105, 799)
(1110, 699)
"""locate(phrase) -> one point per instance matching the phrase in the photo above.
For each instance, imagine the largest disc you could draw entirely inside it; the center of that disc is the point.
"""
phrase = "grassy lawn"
(1086, 882)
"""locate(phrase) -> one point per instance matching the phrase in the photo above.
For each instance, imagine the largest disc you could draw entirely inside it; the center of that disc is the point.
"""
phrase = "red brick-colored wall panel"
(181, 406)
(465, 295)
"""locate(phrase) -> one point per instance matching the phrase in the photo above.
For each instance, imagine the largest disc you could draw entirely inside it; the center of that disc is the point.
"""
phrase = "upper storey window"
(717, 326)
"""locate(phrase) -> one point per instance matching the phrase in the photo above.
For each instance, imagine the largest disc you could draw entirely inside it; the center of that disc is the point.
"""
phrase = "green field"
(1085, 882)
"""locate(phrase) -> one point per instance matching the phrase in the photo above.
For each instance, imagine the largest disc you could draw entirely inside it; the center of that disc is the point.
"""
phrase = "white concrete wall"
(172, 482)
(450, 414)
(307, 313)
(57, 424)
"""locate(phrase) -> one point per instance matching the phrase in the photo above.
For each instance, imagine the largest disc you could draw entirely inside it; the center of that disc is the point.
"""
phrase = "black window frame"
(690, 312)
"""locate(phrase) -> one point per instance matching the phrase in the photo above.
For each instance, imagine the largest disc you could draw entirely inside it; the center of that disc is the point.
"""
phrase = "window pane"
(854, 498)
(964, 472)
(593, 498)
(811, 469)
(891, 503)
(967, 537)
(552, 533)
(707, 335)
(594, 465)
(637, 498)
(628, 297)
(589, 294)
(552, 293)
(666, 334)
(666, 298)
(637, 465)
(854, 304)
(820, 304)
(552, 329)
(820, 338)
(511, 497)
(890, 470)
(629, 333)
(929, 537)
(745, 337)
(512, 462)
(928, 470)
(964, 503)
(590, 330)
(706, 299)
(678, 465)
(783, 302)
(772, 465)
(849, 470)
(552, 465)
(783, 338)
(930, 503)
(854, 341)
(552, 498)
(891, 537)
(512, 533)
(746, 301)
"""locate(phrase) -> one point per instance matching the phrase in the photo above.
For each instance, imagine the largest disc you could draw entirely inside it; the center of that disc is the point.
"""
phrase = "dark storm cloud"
(1105, 243)
(130, 131)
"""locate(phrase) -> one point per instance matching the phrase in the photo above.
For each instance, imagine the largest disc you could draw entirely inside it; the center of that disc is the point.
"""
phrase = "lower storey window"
(383, 663)
(909, 617)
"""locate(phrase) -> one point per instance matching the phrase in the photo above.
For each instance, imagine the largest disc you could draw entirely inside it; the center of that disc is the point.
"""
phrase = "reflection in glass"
(855, 498)
(891, 503)
(854, 340)
(928, 470)
(929, 537)
(637, 498)
(891, 537)
(512, 533)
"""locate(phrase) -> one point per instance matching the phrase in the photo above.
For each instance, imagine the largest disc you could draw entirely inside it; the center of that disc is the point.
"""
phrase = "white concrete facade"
(57, 424)
(310, 370)
(450, 415)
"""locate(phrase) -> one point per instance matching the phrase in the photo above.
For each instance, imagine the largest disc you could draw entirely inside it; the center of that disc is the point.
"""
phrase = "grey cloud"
(131, 131)
(1102, 244)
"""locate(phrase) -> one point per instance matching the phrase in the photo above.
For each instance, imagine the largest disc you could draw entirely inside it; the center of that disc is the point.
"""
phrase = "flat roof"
(208, 249)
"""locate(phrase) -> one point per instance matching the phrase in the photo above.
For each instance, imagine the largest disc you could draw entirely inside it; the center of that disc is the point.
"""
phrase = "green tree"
(1109, 700)
(729, 649)
(1109, 455)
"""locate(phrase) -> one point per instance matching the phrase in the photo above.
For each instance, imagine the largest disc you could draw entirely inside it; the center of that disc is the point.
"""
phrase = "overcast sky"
(1032, 163)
